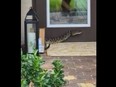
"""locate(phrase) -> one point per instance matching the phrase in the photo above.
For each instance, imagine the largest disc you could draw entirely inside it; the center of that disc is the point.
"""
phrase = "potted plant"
(33, 73)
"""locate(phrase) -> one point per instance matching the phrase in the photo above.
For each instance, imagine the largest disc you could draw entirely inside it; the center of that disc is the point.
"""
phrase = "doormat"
(72, 49)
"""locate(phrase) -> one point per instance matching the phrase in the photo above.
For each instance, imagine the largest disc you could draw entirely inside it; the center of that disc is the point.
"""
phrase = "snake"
(58, 39)
(61, 38)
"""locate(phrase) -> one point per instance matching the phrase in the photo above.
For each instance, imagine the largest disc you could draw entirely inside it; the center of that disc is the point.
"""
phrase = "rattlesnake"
(61, 38)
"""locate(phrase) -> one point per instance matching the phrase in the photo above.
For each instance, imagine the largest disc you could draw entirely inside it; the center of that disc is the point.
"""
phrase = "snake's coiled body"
(61, 38)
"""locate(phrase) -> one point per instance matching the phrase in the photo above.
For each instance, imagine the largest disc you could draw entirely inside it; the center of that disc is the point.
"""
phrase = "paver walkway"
(80, 71)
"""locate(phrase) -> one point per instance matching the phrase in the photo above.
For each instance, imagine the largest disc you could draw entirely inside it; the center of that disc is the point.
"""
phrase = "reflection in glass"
(65, 12)
(31, 37)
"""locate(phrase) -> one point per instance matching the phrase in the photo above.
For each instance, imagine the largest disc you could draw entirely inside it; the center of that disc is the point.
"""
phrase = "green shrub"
(31, 71)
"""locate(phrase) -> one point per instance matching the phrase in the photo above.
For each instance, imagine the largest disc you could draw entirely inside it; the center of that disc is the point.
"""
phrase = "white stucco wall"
(25, 5)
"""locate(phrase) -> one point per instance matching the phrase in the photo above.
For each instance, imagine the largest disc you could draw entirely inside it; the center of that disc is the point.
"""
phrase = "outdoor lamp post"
(31, 25)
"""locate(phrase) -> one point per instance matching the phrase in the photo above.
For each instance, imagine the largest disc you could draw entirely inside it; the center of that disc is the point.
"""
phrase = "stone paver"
(80, 71)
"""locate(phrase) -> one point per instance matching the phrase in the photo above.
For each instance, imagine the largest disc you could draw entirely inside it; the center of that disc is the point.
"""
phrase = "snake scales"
(61, 38)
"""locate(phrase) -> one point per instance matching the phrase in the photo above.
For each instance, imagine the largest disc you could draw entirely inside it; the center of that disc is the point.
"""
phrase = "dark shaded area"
(65, 7)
